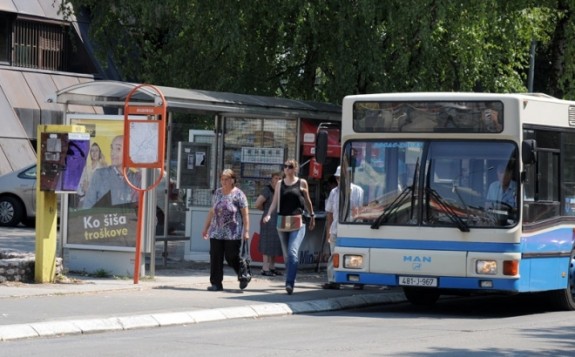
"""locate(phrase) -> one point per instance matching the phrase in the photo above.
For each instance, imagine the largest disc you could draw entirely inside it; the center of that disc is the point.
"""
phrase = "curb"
(77, 327)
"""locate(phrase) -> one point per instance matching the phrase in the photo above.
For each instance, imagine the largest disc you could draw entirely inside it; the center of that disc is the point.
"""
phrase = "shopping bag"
(245, 273)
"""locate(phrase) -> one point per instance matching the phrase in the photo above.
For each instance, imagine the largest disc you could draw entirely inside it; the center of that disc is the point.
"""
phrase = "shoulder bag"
(289, 223)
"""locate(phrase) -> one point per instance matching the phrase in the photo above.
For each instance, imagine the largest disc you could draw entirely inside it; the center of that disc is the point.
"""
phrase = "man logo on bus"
(416, 259)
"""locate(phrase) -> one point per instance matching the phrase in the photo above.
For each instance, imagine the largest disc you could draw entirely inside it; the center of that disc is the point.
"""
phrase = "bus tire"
(564, 299)
(421, 297)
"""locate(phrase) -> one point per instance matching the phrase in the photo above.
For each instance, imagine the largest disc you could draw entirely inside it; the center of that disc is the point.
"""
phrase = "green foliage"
(324, 50)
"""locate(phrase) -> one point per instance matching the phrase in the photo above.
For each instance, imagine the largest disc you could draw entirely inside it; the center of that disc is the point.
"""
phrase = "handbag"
(245, 273)
(289, 223)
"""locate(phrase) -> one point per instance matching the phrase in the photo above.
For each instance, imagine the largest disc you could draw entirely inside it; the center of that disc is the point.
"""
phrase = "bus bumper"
(451, 283)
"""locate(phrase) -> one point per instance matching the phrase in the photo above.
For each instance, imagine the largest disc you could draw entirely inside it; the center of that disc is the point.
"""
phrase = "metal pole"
(138, 254)
(323, 240)
(531, 66)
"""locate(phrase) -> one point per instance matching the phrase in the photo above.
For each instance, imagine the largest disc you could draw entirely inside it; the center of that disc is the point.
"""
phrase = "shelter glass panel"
(257, 148)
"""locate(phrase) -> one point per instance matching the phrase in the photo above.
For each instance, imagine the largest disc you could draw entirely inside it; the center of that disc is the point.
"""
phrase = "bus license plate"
(417, 281)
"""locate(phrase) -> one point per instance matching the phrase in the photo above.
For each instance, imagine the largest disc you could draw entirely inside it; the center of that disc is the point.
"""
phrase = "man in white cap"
(332, 210)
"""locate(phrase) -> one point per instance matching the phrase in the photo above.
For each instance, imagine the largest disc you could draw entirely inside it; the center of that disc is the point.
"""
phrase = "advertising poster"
(104, 211)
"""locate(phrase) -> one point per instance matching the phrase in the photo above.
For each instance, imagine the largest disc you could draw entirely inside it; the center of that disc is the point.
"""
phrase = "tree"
(557, 74)
(324, 50)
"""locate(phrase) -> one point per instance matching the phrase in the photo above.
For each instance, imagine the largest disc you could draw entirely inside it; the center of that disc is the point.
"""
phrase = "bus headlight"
(353, 261)
(486, 267)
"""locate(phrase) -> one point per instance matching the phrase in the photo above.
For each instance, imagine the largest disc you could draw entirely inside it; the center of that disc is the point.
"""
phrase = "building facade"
(40, 54)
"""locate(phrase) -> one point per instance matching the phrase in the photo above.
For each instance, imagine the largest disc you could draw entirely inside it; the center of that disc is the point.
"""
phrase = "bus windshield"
(463, 184)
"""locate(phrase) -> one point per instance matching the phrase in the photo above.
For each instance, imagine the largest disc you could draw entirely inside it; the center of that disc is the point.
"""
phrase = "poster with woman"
(104, 213)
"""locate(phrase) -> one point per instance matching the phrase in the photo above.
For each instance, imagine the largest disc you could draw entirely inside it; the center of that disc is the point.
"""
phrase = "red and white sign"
(309, 130)
(315, 169)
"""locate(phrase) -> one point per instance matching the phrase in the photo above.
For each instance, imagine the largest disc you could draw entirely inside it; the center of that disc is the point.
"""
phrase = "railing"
(39, 45)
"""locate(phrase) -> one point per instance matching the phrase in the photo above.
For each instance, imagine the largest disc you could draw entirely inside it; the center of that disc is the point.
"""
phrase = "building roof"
(38, 8)
(24, 104)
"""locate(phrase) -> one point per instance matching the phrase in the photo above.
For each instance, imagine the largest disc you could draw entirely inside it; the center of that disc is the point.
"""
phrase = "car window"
(29, 174)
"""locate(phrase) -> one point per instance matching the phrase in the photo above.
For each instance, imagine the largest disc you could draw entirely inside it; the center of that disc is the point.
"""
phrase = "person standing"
(226, 224)
(269, 243)
(332, 215)
(292, 197)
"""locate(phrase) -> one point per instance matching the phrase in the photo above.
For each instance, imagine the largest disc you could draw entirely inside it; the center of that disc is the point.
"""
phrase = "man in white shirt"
(332, 210)
(504, 190)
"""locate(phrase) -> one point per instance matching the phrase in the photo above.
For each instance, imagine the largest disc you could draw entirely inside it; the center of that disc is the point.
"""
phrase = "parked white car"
(18, 201)
(18, 197)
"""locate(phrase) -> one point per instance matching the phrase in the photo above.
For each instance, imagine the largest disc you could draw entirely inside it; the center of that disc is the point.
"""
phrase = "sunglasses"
(288, 166)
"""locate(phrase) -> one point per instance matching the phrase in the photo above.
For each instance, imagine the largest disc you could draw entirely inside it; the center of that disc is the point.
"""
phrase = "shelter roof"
(114, 93)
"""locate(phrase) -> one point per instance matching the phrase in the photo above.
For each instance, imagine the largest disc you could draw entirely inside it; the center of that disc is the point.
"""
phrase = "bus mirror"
(528, 152)
(321, 146)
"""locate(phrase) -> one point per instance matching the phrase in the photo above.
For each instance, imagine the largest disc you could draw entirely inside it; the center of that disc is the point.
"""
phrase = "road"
(487, 326)
(17, 238)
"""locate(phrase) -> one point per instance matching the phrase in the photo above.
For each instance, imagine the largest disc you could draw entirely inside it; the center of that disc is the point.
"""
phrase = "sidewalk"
(176, 295)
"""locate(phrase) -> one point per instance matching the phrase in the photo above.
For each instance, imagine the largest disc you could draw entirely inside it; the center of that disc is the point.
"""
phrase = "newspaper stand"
(144, 139)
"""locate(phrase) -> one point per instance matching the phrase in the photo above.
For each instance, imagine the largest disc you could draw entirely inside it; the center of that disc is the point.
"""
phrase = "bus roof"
(519, 109)
(450, 96)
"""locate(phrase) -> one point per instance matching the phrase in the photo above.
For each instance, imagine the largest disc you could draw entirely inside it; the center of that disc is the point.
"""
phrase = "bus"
(464, 193)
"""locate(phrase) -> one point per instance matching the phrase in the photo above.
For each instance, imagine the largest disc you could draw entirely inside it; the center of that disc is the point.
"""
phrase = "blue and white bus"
(463, 193)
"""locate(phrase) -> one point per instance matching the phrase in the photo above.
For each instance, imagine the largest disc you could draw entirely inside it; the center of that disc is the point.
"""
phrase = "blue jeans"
(291, 241)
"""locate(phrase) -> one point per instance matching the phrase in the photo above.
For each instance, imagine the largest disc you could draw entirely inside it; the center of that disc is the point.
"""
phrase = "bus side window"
(541, 186)
(568, 172)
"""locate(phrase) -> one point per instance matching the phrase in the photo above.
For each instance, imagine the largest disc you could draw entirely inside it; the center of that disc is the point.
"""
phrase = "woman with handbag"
(291, 197)
(227, 223)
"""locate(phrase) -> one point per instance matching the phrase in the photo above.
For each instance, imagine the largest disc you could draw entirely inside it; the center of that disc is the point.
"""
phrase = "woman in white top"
(96, 161)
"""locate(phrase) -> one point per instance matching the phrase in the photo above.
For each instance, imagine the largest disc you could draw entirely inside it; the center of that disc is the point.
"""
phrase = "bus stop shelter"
(241, 123)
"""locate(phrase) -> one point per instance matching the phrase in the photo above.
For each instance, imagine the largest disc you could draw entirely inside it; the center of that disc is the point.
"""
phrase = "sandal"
(267, 273)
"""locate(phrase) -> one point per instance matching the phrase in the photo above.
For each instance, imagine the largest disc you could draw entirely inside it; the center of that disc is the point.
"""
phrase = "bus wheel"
(565, 299)
(424, 297)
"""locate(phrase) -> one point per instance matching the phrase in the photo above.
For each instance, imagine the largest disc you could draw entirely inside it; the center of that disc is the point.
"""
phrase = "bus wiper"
(448, 210)
(456, 190)
(393, 207)
(413, 185)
